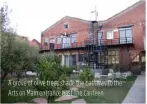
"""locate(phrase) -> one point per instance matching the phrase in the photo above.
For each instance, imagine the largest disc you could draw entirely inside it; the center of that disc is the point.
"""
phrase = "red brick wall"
(34, 43)
(78, 26)
(136, 17)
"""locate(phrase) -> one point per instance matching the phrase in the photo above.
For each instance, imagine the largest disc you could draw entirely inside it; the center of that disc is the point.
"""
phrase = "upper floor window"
(100, 37)
(110, 34)
(52, 40)
(45, 41)
(126, 35)
(58, 40)
(66, 26)
(66, 42)
(73, 38)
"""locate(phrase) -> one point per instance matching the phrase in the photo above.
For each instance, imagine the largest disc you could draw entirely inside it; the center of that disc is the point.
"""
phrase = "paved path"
(137, 92)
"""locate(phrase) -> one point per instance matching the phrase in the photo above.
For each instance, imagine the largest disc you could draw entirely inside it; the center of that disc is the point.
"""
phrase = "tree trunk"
(3, 77)
(18, 77)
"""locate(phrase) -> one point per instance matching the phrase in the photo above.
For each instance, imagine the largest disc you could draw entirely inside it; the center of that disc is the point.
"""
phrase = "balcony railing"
(116, 41)
(108, 42)
(69, 45)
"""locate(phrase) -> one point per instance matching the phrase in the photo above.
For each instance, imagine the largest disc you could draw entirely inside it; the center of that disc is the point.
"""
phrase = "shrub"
(49, 69)
(68, 70)
(86, 75)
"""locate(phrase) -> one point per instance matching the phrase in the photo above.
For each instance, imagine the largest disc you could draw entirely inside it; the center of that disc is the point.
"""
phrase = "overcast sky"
(30, 17)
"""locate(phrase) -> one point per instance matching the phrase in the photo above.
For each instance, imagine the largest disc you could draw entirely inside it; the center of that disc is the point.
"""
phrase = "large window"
(73, 38)
(45, 41)
(113, 57)
(59, 40)
(66, 42)
(110, 34)
(125, 35)
(72, 60)
(100, 37)
(66, 60)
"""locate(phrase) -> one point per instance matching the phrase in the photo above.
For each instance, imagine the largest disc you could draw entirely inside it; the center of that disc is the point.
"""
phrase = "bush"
(49, 69)
(68, 70)
(86, 75)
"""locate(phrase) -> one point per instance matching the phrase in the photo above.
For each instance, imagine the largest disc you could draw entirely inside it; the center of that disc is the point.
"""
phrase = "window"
(136, 59)
(72, 60)
(45, 41)
(58, 40)
(81, 57)
(110, 35)
(113, 57)
(125, 35)
(143, 59)
(66, 60)
(66, 42)
(52, 40)
(66, 26)
(100, 38)
(73, 38)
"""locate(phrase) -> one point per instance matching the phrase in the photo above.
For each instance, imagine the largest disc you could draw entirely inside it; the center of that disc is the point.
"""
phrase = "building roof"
(124, 11)
(75, 18)
(67, 17)
(34, 42)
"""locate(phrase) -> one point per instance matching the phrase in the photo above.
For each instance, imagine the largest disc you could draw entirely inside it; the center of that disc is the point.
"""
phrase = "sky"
(30, 17)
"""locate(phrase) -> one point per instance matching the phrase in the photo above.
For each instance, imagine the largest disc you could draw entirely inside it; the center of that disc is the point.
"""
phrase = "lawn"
(110, 94)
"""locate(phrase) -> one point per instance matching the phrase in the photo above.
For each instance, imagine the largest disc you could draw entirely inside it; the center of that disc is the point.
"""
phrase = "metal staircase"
(96, 56)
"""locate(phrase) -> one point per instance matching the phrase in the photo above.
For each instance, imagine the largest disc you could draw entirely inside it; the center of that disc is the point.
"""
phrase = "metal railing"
(69, 45)
(116, 41)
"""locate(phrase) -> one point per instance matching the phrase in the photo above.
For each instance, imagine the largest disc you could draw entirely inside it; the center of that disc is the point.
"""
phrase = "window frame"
(112, 37)
(66, 25)
(125, 37)
(57, 40)
(46, 41)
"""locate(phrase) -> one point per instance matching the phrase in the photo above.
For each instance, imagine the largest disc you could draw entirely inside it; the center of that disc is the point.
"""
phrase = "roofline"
(36, 41)
(82, 20)
(124, 11)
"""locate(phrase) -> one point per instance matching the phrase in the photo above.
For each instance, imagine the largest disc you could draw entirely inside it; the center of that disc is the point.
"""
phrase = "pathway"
(137, 92)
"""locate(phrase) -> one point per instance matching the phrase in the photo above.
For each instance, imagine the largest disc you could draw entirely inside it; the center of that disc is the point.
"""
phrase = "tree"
(49, 69)
(7, 43)
(4, 20)
(7, 39)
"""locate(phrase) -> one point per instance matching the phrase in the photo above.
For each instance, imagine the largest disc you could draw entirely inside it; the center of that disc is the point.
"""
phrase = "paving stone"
(79, 101)
(66, 97)
(40, 100)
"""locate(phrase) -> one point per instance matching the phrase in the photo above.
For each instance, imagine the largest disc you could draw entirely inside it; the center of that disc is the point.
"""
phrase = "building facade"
(123, 34)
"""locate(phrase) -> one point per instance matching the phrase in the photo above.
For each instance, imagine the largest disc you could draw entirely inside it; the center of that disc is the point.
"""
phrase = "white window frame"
(73, 36)
(45, 41)
(59, 42)
(110, 34)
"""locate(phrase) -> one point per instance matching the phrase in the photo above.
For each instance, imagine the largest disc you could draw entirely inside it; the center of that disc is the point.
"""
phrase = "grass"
(110, 94)
(5, 98)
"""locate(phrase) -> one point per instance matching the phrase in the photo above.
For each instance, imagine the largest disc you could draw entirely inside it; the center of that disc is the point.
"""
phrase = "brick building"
(123, 34)
(34, 43)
